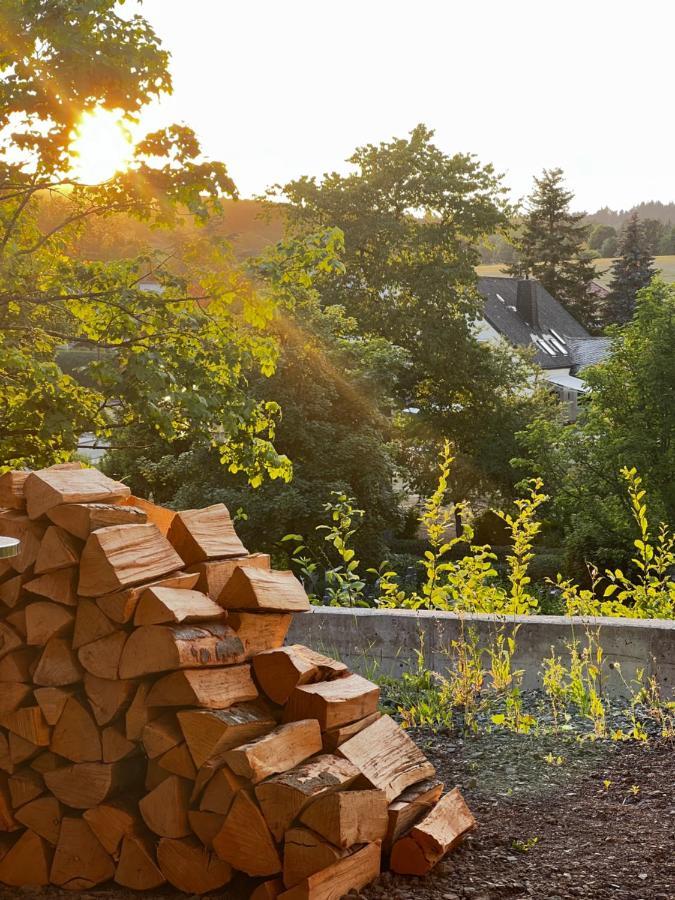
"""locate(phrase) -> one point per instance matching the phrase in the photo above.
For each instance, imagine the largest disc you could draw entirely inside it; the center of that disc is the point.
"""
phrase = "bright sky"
(281, 89)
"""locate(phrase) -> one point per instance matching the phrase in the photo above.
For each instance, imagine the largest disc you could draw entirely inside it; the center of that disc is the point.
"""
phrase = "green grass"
(665, 265)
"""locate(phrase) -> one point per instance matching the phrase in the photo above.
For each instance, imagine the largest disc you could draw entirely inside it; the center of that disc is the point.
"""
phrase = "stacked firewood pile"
(153, 727)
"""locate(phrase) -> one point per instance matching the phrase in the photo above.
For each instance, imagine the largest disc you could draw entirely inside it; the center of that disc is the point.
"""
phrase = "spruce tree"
(552, 247)
(631, 271)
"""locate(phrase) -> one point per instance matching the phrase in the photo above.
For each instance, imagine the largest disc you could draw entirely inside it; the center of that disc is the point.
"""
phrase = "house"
(523, 313)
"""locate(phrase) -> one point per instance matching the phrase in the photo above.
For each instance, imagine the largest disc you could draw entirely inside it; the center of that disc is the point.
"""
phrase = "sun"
(100, 146)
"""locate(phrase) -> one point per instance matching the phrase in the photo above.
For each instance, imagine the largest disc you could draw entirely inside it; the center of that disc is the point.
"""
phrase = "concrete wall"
(376, 642)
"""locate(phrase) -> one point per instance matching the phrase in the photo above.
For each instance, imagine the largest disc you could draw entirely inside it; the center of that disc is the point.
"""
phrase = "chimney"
(526, 302)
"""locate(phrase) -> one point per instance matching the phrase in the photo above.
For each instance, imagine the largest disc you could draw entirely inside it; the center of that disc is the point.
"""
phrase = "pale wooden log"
(12, 696)
(447, 823)
(208, 732)
(16, 524)
(164, 809)
(7, 821)
(20, 749)
(43, 816)
(178, 761)
(280, 750)
(283, 797)
(45, 620)
(260, 631)
(110, 822)
(84, 785)
(333, 703)
(102, 657)
(18, 665)
(397, 761)
(58, 550)
(160, 735)
(189, 866)
(25, 785)
(137, 867)
(252, 588)
(11, 490)
(208, 688)
(162, 606)
(80, 519)
(345, 818)
(407, 809)
(27, 863)
(14, 586)
(57, 665)
(279, 671)
(80, 861)
(48, 488)
(76, 736)
(305, 853)
(268, 890)
(158, 515)
(122, 556)
(205, 825)
(108, 698)
(335, 737)
(59, 586)
(221, 790)
(91, 624)
(245, 841)
(29, 723)
(115, 745)
(352, 873)
(9, 639)
(213, 575)
(139, 714)
(161, 648)
(202, 534)
(120, 606)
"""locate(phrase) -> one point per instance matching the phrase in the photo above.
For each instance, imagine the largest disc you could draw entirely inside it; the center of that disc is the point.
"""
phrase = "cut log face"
(57, 665)
(448, 822)
(397, 763)
(108, 698)
(268, 890)
(346, 818)
(12, 696)
(137, 868)
(52, 701)
(281, 670)
(407, 809)
(260, 631)
(11, 490)
(76, 736)
(11, 589)
(80, 519)
(205, 825)
(51, 487)
(58, 550)
(17, 665)
(24, 786)
(122, 556)
(245, 840)
(162, 648)
(208, 732)
(102, 657)
(188, 866)
(27, 863)
(160, 735)
(80, 861)
(178, 761)
(280, 750)
(43, 816)
(91, 624)
(213, 575)
(351, 873)
(162, 605)
(252, 588)
(9, 639)
(110, 822)
(158, 515)
(85, 785)
(221, 791)
(333, 703)
(283, 797)
(21, 750)
(202, 534)
(45, 620)
(29, 723)
(207, 688)
(305, 853)
(120, 606)
(16, 524)
(59, 586)
(138, 715)
(335, 737)
(164, 809)
(115, 746)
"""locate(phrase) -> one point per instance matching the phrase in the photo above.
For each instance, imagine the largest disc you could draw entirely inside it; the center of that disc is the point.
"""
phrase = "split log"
(80, 519)
(220, 791)
(122, 556)
(57, 665)
(158, 515)
(283, 797)
(260, 631)
(29, 723)
(205, 825)
(58, 550)
(178, 761)
(102, 657)
(351, 873)
(84, 785)
(17, 525)
(110, 822)
(154, 775)
(213, 575)
(43, 816)
(17, 622)
(12, 696)
(76, 736)
(91, 624)
(162, 605)
(209, 688)
(24, 786)
(335, 737)
(80, 861)
(17, 665)
(160, 735)
(11, 490)
(51, 701)
(120, 606)
(305, 853)
(190, 868)
(280, 750)
(164, 809)
(435, 835)
(139, 714)
(46, 761)
(59, 586)
(115, 745)
(21, 750)
(279, 671)
(409, 808)
(7, 822)
(48, 488)
(45, 620)
(9, 639)
(333, 703)
(387, 757)
(108, 698)
(208, 732)
(27, 863)
(268, 890)
(202, 534)
(162, 648)
(252, 588)
(137, 868)
(245, 841)
(13, 587)
(6, 764)
(346, 818)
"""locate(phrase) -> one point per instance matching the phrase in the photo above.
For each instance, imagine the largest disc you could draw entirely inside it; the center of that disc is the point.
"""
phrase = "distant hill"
(665, 265)
(663, 212)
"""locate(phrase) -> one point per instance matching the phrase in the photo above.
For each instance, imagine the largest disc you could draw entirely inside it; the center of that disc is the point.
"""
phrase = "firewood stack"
(153, 727)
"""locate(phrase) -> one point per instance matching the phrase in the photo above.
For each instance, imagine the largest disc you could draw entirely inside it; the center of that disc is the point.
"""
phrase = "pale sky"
(281, 89)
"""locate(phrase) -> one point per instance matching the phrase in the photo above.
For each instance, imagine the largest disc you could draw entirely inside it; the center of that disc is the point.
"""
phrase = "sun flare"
(100, 146)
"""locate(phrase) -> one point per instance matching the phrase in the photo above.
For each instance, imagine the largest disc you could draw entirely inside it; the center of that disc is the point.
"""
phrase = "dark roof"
(556, 327)
(588, 351)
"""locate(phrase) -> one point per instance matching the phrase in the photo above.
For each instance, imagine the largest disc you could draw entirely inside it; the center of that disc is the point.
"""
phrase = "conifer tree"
(631, 271)
(551, 247)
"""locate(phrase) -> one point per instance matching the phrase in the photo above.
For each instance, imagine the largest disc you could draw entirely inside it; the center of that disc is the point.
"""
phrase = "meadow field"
(665, 265)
